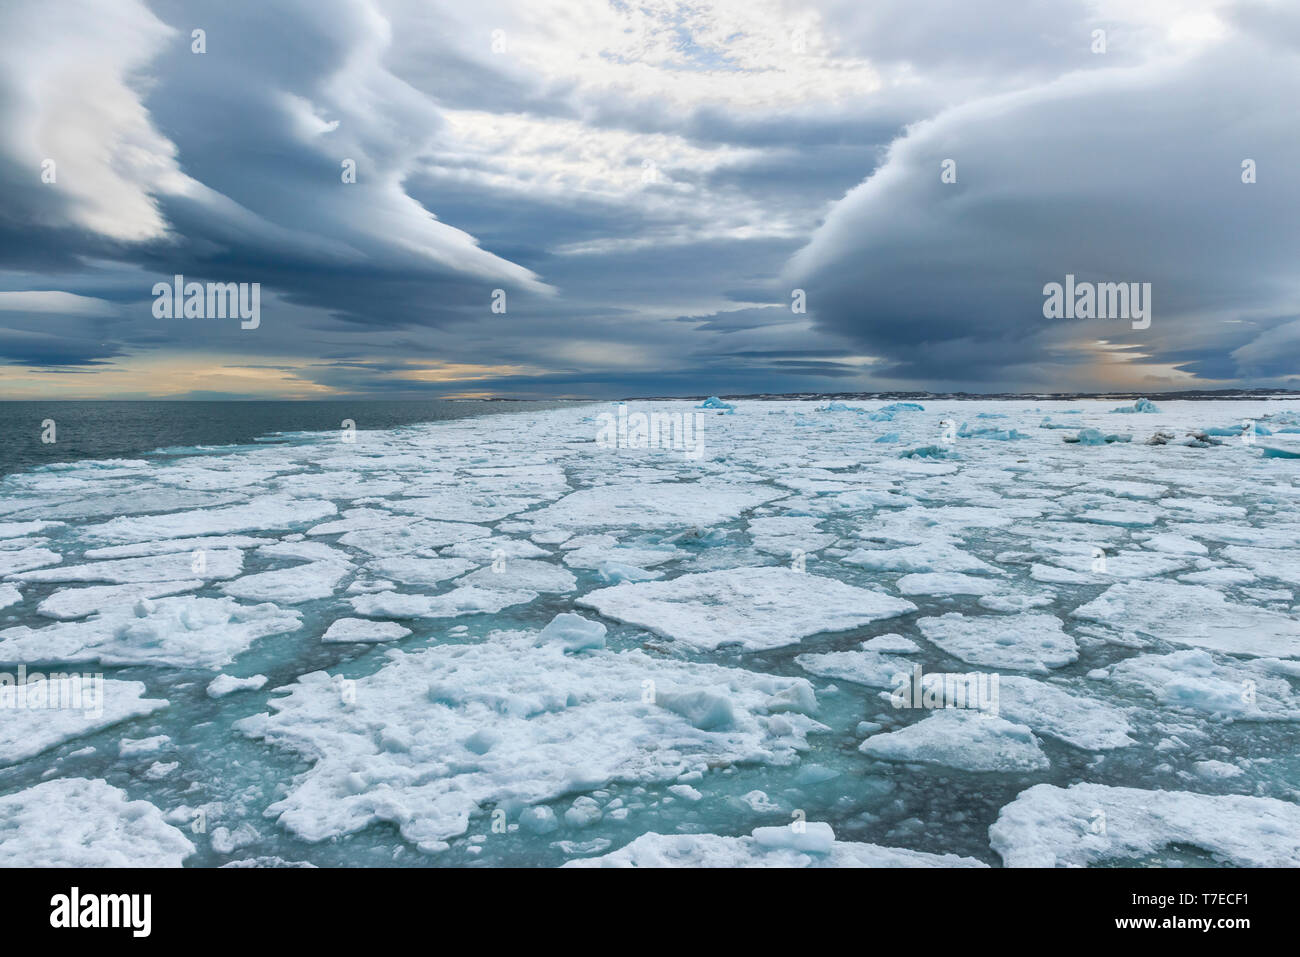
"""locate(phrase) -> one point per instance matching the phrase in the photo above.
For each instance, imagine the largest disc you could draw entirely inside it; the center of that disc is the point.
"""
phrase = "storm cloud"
(647, 186)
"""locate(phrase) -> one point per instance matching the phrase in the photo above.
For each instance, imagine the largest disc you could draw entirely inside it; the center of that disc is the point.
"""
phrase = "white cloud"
(73, 96)
(54, 301)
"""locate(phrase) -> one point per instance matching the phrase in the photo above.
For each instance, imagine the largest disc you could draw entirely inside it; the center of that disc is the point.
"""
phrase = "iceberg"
(713, 402)
(1141, 405)
(1095, 437)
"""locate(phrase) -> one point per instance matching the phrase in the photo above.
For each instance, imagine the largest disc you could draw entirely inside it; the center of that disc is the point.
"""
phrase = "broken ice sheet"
(1023, 642)
(176, 632)
(967, 740)
(761, 607)
(1194, 615)
(1050, 826)
(32, 720)
(1186, 634)
(437, 736)
(78, 822)
(713, 850)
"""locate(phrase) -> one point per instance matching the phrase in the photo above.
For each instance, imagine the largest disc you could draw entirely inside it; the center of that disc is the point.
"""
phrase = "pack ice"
(495, 640)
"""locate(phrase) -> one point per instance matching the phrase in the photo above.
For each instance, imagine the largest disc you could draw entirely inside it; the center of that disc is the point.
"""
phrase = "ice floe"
(222, 685)
(655, 504)
(1050, 826)
(1022, 642)
(183, 632)
(79, 822)
(754, 580)
(1194, 615)
(760, 607)
(1194, 680)
(290, 586)
(964, 739)
(364, 630)
(218, 564)
(269, 512)
(438, 735)
(69, 603)
(40, 713)
(763, 850)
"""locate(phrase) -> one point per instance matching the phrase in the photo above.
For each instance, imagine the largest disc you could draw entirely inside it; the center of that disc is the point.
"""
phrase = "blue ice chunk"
(1002, 435)
(1237, 430)
(573, 632)
(814, 774)
(1141, 405)
(713, 402)
(1094, 437)
(927, 452)
(618, 572)
(705, 710)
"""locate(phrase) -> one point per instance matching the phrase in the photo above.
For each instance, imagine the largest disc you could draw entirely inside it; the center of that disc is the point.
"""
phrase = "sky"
(584, 198)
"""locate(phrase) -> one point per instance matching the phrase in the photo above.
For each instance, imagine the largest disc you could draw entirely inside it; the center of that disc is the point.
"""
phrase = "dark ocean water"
(107, 430)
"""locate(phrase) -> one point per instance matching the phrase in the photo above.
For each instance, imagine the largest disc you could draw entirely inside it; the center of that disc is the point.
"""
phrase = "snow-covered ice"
(30, 723)
(78, 822)
(178, 632)
(361, 629)
(758, 607)
(222, 685)
(493, 640)
(713, 850)
(1028, 642)
(964, 739)
(1195, 615)
(1049, 826)
(436, 736)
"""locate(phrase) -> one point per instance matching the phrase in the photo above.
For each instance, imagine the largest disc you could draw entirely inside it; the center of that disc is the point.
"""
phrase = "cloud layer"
(647, 184)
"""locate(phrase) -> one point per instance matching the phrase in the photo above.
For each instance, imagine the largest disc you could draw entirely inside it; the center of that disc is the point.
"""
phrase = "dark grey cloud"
(1117, 175)
(478, 170)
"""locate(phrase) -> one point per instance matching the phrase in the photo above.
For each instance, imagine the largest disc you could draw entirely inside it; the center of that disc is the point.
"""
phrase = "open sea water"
(122, 429)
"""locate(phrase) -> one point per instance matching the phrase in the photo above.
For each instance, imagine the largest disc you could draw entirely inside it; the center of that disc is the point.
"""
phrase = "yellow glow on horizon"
(172, 376)
(461, 372)
(1119, 367)
(161, 376)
